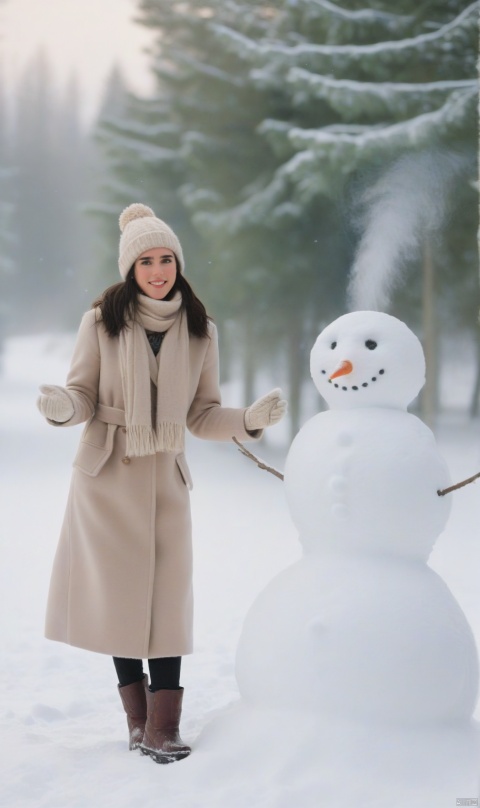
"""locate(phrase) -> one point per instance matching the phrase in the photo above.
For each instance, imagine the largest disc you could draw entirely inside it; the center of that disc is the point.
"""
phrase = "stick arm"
(444, 491)
(260, 463)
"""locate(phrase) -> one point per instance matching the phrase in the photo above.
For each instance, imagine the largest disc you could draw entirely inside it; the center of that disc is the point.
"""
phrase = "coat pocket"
(95, 448)
(181, 461)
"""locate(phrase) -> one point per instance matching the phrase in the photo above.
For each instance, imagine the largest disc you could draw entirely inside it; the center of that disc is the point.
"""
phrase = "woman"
(145, 366)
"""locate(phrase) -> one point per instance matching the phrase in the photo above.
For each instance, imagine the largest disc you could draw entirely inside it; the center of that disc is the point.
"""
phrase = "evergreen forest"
(313, 157)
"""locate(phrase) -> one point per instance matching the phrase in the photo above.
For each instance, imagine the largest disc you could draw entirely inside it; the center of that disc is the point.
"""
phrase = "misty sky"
(82, 36)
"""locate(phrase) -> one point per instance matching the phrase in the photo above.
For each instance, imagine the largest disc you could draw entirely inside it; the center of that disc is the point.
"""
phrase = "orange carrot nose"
(342, 369)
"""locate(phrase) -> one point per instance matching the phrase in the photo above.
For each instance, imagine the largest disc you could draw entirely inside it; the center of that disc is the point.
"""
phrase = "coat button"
(126, 460)
(124, 429)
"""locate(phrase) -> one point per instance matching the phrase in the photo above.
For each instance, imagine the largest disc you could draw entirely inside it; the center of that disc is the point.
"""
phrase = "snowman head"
(367, 359)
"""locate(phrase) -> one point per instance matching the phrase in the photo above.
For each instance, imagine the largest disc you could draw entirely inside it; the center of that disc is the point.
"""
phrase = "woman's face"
(155, 272)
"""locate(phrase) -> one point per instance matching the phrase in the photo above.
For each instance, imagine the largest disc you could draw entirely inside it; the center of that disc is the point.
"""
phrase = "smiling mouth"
(157, 283)
(356, 386)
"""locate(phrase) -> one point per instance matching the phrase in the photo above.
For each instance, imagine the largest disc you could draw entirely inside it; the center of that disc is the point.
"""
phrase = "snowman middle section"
(366, 480)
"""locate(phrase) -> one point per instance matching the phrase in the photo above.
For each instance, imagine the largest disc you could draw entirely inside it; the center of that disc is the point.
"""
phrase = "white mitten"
(266, 411)
(55, 403)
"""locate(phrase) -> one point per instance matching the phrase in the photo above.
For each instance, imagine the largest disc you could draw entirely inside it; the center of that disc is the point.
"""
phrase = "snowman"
(361, 627)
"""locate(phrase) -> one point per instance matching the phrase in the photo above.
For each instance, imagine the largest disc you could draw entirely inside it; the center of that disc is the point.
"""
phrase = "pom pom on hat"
(135, 211)
(141, 231)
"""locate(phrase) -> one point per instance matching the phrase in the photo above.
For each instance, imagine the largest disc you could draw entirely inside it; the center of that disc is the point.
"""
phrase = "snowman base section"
(374, 639)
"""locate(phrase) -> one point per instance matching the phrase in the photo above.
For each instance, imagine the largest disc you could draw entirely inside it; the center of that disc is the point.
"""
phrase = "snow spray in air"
(409, 201)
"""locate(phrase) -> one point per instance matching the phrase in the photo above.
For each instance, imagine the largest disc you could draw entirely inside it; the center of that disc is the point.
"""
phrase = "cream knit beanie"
(142, 231)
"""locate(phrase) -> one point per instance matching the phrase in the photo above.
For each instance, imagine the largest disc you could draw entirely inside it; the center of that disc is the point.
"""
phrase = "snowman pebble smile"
(353, 386)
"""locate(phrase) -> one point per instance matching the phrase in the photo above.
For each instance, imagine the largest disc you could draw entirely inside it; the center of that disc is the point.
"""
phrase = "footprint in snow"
(42, 712)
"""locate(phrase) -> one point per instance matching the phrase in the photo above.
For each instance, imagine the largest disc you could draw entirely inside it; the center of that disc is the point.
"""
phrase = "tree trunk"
(225, 344)
(476, 389)
(248, 363)
(429, 397)
(295, 375)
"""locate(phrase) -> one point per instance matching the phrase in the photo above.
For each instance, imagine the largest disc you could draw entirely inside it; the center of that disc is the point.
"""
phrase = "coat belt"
(110, 415)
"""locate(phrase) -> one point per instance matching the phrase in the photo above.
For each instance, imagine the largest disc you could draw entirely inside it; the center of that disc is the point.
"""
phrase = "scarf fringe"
(143, 440)
(163, 430)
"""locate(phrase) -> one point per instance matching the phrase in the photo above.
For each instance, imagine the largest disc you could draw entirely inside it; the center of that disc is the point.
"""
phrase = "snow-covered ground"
(62, 729)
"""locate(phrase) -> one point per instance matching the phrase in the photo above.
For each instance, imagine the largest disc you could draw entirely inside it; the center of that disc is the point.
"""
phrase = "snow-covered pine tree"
(376, 86)
(371, 100)
(361, 88)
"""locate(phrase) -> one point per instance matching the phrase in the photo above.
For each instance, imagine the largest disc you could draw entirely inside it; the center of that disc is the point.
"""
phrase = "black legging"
(164, 672)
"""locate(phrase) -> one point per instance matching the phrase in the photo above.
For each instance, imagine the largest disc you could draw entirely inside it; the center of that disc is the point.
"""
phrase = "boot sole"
(163, 757)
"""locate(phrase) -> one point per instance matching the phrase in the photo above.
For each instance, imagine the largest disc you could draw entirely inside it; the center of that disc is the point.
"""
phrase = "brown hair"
(118, 304)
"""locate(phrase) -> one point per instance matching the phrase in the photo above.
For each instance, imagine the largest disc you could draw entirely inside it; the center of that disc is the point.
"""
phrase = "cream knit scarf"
(169, 371)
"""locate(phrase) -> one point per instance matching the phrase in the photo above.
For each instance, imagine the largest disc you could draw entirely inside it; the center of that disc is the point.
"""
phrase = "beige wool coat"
(121, 582)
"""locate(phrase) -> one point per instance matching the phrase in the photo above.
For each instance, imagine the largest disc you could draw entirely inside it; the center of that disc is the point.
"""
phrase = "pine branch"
(458, 485)
(340, 58)
(364, 15)
(260, 463)
(373, 99)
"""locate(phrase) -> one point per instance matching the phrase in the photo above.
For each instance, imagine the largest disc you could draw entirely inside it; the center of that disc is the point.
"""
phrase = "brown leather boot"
(161, 739)
(135, 705)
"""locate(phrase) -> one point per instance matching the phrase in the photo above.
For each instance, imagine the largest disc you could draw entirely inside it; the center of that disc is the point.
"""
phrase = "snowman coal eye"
(333, 345)
(370, 344)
